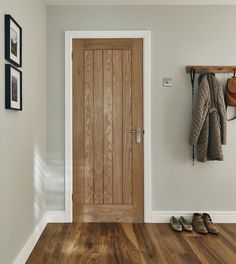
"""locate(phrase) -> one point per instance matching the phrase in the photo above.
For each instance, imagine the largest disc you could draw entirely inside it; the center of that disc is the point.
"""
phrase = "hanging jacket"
(208, 129)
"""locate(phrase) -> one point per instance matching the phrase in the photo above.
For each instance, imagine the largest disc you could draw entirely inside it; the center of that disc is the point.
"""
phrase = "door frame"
(146, 36)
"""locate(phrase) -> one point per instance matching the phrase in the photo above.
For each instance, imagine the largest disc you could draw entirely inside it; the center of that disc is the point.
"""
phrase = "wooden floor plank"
(111, 243)
(47, 244)
(146, 245)
(170, 246)
(70, 245)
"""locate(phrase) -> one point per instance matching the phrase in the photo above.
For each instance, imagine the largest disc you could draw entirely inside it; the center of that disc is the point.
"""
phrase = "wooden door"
(107, 105)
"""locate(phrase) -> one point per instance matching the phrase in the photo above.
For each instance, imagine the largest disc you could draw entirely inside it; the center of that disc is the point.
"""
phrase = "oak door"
(108, 130)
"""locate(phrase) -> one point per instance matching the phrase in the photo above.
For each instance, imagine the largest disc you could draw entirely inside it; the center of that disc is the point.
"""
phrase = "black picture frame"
(13, 41)
(13, 88)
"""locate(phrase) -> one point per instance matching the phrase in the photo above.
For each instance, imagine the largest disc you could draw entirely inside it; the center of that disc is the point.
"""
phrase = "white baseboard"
(57, 217)
(30, 244)
(217, 216)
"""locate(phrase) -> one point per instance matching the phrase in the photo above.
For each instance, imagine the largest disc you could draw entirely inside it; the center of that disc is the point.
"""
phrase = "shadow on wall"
(39, 183)
(55, 183)
(177, 122)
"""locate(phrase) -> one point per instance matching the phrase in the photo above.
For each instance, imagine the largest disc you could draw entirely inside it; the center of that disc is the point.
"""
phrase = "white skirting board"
(158, 216)
(27, 249)
(57, 217)
(217, 216)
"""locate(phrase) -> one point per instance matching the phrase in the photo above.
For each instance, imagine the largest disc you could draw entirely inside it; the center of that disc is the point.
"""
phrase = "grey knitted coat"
(208, 129)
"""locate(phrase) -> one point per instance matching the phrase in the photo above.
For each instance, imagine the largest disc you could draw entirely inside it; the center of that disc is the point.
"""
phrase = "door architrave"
(146, 36)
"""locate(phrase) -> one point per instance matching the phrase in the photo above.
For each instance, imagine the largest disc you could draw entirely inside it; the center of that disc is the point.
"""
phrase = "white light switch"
(167, 82)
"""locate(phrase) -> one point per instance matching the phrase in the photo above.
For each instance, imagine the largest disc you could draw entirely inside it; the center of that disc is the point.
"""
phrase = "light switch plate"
(167, 82)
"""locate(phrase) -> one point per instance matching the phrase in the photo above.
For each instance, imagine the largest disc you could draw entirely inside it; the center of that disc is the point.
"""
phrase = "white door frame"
(146, 36)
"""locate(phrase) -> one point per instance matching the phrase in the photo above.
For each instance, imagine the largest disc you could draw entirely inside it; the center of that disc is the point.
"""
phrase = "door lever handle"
(137, 131)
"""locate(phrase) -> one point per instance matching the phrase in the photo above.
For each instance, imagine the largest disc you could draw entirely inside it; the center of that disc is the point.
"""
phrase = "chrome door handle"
(138, 133)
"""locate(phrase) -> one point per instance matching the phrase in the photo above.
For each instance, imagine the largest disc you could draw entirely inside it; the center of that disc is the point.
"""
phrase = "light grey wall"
(23, 134)
(181, 35)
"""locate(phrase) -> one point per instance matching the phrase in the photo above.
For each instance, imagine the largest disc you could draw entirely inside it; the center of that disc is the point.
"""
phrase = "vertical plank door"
(107, 106)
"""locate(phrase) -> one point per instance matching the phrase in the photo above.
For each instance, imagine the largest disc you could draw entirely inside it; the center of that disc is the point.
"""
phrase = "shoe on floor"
(198, 224)
(185, 224)
(175, 224)
(210, 226)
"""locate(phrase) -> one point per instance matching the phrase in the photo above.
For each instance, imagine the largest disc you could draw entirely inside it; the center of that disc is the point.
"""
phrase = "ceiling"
(140, 2)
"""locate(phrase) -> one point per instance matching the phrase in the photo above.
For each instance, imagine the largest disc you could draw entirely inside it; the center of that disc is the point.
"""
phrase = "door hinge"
(72, 55)
(72, 197)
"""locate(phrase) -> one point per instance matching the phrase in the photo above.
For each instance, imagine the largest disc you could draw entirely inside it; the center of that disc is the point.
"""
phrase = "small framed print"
(13, 88)
(13, 41)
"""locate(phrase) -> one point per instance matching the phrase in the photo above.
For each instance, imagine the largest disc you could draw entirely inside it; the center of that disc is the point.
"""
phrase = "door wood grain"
(88, 125)
(108, 157)
(98, 128)
(127, 126)
(107, 104)
(117, 126)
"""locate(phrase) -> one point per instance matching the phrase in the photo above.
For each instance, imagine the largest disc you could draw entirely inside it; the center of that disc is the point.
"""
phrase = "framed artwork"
(13, 88)
(13, 41)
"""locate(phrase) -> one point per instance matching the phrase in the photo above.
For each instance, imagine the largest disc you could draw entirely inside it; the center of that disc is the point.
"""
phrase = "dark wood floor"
(132, 243)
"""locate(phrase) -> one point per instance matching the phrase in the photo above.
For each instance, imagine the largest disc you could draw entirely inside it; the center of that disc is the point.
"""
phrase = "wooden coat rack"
(215, 69)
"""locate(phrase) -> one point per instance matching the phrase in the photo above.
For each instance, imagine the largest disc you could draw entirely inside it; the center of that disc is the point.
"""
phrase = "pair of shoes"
(203, 224)
(181, 224)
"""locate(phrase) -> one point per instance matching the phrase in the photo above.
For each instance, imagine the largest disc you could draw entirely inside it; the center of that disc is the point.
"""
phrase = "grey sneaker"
(175, 224)
(185, 224)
